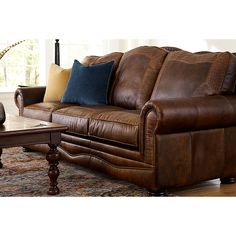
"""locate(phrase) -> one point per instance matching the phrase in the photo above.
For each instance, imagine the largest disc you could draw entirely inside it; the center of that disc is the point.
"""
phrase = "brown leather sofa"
(171, 119)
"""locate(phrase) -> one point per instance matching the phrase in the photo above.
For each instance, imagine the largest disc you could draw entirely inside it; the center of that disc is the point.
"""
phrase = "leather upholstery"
(230, 151)
(114, 56)
(102, 146)
(190, 157)
(117, 126)
(186, 74)
(43, 110)
(136, 76)
(23, 96)
(109, 123)
(173, 139)
(77, 118)
(178, 115)
(171, 49)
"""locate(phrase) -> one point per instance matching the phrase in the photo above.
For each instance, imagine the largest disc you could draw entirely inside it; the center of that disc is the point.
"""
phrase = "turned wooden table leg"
(53, 158)
(1, 165)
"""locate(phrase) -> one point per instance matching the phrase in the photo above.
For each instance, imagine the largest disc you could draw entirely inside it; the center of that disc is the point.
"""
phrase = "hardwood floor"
(211, 188)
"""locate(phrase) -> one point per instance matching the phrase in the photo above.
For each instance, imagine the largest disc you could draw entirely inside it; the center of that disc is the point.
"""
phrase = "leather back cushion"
(114, 56)
(186, 74)
(136, 76)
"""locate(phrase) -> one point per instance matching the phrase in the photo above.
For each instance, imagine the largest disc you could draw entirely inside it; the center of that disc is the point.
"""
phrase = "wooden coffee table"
(20, 131)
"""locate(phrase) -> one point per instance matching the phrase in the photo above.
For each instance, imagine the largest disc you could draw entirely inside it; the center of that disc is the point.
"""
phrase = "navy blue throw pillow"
(88, 85)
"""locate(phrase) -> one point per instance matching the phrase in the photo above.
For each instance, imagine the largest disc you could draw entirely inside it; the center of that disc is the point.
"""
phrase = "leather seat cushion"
(77, 117)
(118, 126)
(42, 111)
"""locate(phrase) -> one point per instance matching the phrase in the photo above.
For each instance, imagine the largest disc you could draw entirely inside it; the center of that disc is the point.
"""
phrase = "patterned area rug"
(25, 174)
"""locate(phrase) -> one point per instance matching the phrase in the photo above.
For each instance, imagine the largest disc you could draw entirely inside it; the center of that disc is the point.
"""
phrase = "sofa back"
(114, 56)
(150, 72)
(186, 74)
(136, 76)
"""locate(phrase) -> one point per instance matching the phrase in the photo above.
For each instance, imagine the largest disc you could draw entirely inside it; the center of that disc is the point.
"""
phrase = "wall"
(221, 44)
(191, 45)
(79, 48)
(194, 45)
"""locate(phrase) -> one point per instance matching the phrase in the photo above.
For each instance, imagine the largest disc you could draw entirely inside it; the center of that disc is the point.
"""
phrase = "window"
(20, 65)
(78, 49)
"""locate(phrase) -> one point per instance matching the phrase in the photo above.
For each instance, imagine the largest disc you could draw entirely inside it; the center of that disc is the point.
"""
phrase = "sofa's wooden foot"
(26, 149)
(161, 193)
(227, 180)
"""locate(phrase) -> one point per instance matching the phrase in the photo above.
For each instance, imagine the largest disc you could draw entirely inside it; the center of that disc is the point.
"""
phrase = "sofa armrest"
(189, 114)
(28, 95)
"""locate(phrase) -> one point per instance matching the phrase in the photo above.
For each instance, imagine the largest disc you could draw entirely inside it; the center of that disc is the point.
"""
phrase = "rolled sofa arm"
(189, 114)
(28, 95)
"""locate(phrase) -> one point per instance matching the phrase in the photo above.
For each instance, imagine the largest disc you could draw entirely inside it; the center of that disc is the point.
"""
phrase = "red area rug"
(25, 174)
